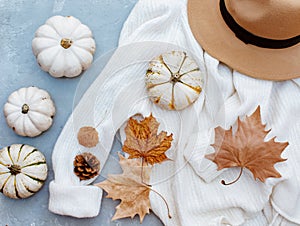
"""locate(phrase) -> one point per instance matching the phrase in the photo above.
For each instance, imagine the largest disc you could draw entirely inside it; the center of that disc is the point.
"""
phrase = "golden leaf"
(128, 187)
(142, 140)
(247, 149)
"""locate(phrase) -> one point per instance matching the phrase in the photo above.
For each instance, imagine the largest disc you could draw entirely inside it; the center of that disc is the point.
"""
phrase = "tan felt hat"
(259, 38)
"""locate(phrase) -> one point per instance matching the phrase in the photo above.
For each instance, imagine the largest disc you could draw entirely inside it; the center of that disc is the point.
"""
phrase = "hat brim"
(216, 38)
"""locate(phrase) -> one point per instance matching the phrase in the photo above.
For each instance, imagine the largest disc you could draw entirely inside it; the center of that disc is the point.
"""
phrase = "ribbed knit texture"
(190, 183)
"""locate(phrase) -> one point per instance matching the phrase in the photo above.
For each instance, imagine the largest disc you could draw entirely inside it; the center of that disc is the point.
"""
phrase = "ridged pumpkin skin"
(174, 80)
(23, 171)
(29, 111)
(63, 46)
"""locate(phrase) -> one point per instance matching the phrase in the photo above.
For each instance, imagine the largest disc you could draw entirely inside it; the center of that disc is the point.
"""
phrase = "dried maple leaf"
(247, 149)
(142, 140)
(128, 187)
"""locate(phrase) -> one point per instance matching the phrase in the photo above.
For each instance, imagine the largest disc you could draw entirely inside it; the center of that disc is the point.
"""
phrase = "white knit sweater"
(190, 183)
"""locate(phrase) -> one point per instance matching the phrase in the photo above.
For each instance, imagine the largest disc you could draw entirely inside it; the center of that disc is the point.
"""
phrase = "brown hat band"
(249, 38)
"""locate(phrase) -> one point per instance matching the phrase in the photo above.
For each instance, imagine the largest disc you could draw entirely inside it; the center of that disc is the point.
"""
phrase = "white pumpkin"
(174, 80)
(64, 46)
(29, 111)
(23, 171)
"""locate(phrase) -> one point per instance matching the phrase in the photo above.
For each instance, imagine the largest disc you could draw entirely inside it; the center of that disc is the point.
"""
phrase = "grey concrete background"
(18, 21)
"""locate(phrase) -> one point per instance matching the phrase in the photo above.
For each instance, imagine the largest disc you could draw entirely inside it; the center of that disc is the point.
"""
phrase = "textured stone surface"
(19, 20)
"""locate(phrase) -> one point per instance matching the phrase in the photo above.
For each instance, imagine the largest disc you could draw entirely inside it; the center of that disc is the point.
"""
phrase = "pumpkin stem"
(66, 43)
(224, 183)
(14, 169)
(175, 77)
(25, 109)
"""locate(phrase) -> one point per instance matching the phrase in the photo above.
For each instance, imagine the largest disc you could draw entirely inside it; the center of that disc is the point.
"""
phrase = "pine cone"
(86, 166)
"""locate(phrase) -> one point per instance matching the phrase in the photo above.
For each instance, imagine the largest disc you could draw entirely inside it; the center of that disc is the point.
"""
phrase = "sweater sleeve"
(69, 195)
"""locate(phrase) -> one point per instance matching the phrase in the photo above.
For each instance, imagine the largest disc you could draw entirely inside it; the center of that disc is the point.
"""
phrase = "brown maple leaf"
(142, 140)
(128, 187)
(247, 149)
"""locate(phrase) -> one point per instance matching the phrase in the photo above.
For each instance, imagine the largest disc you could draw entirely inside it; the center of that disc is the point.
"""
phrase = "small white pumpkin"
(174, 80)
(29, 111)
(64, 46)
(23, 171)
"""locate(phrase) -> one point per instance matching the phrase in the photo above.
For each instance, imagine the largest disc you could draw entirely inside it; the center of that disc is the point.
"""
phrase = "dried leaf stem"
(142, 178)
(241, 172)
(150, 187)
(165, 201)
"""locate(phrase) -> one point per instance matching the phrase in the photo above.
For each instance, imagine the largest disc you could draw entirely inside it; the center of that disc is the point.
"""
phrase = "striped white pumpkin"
(23, 171)
(174, 80)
